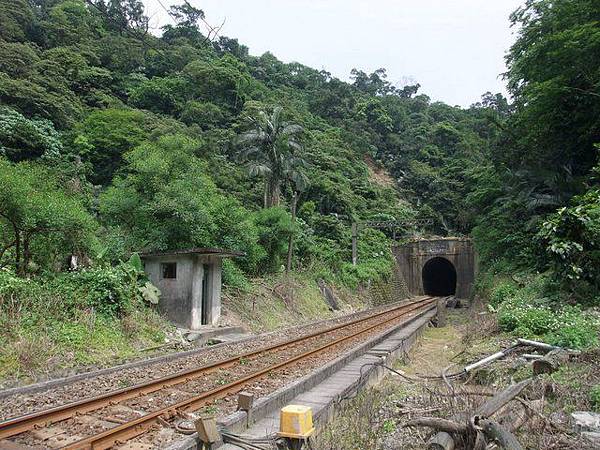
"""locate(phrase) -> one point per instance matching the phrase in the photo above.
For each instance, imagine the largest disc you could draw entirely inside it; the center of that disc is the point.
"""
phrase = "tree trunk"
(26, 253)
(490, 407)
(17, 250)
(288, 266)
(272, 193)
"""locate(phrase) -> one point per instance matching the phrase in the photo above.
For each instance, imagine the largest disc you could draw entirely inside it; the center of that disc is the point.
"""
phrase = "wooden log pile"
(479, 429)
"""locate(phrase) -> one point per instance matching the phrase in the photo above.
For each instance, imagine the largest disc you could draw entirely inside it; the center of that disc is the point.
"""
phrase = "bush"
(571, 237)
(108, 290)
(234, 277)
(501, 292)
(274, 228)
(566, 326)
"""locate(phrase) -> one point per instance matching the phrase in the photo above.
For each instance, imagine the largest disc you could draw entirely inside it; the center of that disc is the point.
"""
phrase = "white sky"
(454, 48)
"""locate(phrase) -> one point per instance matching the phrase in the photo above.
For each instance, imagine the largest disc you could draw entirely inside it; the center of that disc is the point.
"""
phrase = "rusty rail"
(18, 425)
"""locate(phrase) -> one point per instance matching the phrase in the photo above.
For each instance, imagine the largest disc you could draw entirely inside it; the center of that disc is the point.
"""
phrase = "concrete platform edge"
(239, 421)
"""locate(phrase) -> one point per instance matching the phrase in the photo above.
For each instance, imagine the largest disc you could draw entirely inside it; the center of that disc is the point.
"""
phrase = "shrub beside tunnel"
(439, 277)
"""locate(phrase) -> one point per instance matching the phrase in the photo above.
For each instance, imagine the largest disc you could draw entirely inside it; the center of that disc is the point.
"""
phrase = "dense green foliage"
(40, 219)
(546, 154)
(172, 139)
(88, 316)
(531, 308)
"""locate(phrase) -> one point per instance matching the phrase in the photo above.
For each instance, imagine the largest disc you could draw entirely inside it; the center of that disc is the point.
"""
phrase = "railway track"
(192, 389)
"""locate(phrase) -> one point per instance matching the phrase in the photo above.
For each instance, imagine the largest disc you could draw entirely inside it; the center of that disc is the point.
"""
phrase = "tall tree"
(186, 15)
(271, 150)
(554, 78)
(39, 219)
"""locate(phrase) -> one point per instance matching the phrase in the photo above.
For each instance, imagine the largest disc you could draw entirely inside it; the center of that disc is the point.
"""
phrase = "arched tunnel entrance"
(439, 277)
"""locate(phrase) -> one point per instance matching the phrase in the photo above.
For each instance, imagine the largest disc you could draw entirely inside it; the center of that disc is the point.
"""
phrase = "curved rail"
(136, 427)
(126, 431)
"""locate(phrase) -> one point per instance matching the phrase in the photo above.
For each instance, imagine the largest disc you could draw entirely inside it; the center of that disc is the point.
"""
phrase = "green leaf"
(150, 293)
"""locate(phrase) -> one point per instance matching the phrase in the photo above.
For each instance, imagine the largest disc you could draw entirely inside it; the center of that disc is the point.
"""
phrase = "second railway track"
(191, 389)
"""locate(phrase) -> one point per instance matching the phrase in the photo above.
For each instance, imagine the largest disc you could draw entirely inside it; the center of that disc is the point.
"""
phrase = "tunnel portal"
(439, 277)
(437, 266)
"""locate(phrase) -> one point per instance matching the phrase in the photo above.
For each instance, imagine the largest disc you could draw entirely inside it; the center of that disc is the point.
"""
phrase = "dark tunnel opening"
(439, 277)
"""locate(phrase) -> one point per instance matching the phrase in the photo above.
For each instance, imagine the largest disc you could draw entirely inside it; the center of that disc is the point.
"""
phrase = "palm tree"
(271, 149)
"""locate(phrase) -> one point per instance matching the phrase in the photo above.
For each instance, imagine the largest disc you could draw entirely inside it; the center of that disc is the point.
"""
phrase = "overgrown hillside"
(114, 140)
(143, 133)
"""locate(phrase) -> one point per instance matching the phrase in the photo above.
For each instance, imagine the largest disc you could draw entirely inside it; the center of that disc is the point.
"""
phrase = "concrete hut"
(190, 284)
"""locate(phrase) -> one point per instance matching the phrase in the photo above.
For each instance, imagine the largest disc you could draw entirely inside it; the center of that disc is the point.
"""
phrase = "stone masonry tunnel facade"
(440, 267)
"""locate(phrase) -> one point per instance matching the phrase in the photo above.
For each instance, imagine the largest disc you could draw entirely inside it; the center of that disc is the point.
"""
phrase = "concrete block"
(586, 421)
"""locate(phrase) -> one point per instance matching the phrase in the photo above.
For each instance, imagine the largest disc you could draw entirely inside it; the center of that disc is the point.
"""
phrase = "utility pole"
(354, 243)
(393, 225)
(288, 266)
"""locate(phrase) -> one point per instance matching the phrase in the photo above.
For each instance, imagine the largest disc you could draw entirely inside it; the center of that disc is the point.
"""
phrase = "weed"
(595, 397)
(210, 410)
(389, 426)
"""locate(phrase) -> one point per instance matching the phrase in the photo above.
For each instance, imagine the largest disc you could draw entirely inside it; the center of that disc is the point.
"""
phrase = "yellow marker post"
(296, 422)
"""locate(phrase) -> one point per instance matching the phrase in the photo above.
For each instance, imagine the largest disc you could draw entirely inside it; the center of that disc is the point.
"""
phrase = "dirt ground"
(377, 418)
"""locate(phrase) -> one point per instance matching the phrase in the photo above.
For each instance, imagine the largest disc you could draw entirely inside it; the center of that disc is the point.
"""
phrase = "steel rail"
(21, 424)
(129, 430)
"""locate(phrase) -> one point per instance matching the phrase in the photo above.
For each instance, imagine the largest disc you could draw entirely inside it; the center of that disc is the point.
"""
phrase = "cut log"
(551, 362)
(495, 432)
(487, 409)
(441, 441)
(516, 417)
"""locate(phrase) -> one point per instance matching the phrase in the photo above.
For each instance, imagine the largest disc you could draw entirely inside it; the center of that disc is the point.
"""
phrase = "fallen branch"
(490, 407)
(495, 432)
(158, 347)
(486, 410)
(449, 426)
(403, 411)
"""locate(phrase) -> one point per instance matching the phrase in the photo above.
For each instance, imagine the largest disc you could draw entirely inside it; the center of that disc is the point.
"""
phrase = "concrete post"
(441, 313)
